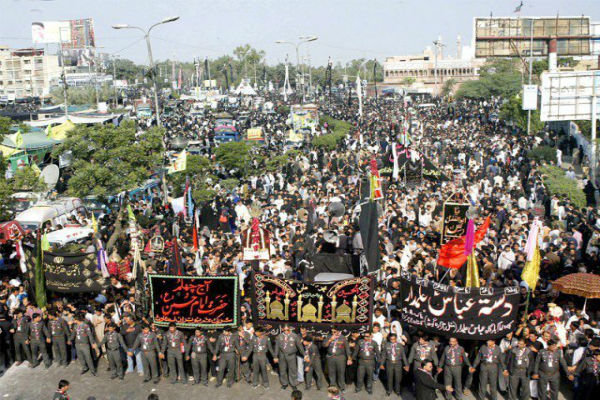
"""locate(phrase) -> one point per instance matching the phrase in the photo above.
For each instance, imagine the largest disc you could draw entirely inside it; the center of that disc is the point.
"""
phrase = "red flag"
(452, 254)
(195, 233)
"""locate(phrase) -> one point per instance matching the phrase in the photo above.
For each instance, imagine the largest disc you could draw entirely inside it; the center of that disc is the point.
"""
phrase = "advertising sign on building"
(567, 96)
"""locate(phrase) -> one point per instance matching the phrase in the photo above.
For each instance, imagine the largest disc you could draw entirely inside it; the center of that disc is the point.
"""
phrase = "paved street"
(23, 383)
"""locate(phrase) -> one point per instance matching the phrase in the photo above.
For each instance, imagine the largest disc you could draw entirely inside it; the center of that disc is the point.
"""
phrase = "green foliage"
(558, 184)
(512, 111)
(108, 159)
(6, 191)
(5, 125)
(229, 184)
(408, 81)
(82, 95)
(585, 127)
(330, 141)
(28, 179)
(500, 78)
(448, 87)
(235, 155)
(278, 162)
(543, 153)
(203, 195)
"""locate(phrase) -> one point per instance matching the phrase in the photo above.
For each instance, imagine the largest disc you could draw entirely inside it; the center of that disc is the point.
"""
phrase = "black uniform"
(59, 330)
(547, 367)
(365, 352)
(287, 345)
(313, 366)
(453, 360)
(148, 344)
(173, 348)
(225, 350)
(197, 350)
(21, 339)
(491, 360)
(242, 367)
(114, 343)
(38, 333)
(338, 353)
(258, 347)
(519, 364)
(588, 371)
(393, 358)
(84, 340)
(419, 353)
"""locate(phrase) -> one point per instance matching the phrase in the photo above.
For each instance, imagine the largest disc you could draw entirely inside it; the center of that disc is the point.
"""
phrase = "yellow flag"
(180, 163)
(94, 224)
(531, 272)
(472, 271)
(18, 139)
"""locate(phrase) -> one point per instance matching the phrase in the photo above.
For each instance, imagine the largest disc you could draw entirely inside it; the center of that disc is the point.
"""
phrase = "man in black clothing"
(425, 383)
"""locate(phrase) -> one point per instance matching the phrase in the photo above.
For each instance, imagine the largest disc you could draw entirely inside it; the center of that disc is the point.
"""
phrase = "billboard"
(72, 34)
(44, 32)
(511, 37)
(567, 96)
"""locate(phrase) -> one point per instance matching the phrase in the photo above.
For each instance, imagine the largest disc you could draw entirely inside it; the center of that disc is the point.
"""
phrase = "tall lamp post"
(303, 39)
(147, 37)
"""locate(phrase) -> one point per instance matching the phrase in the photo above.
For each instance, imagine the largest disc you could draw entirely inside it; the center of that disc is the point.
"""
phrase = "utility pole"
(530, 68)
(114, 79)
(63, 74)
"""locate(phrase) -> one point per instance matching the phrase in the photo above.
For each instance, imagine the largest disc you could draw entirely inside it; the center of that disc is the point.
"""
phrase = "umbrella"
(579, 284)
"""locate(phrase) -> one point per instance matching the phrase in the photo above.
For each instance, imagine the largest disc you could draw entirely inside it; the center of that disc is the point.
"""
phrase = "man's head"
(296, 395)
(428, 366)
(63, 385)
(491, 343)
(453, 341)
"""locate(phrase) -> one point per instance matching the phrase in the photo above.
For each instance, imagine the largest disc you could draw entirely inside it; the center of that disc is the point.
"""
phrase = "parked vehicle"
(10, 230)
(54, 212)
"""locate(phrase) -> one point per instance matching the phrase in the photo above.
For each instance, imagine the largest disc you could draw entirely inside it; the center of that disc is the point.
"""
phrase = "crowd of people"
(478, 157)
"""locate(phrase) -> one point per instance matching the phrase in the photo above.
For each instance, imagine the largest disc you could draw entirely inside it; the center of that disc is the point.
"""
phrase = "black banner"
(70, 273)
(195, 301)
(413, 172)
(464, 313)
(346, 304)
(454, 221)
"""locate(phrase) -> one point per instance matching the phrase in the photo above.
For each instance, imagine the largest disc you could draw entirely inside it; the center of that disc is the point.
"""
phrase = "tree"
(6, 191)
(28, 179)
(408, 81)
(499, 78)
(448, 87)
(109, 159)
(5, 125)
(235, 156)
(512, 111)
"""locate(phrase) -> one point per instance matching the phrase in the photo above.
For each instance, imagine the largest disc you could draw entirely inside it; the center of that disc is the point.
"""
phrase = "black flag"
(176, 267)
(370, 235)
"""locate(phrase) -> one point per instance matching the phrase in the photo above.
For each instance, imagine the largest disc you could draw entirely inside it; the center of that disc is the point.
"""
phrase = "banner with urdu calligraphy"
(315, 306)
(195, 301)
(463, 313)
(70, 272)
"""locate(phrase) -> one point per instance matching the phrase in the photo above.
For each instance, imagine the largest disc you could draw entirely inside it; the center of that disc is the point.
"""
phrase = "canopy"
(579, 284)
(75, 118)
(31, 141)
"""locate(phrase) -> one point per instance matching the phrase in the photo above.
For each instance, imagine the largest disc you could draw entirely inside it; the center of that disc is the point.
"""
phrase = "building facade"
(27, 72)
(424, 73)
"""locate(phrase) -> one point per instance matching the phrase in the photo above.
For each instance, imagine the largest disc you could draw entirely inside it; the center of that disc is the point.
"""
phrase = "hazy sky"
(346, 28)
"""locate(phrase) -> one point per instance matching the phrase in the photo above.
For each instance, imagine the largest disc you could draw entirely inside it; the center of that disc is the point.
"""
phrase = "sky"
(346, 29)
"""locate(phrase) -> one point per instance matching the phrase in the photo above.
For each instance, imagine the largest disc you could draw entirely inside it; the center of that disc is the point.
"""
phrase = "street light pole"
(303, 39)
(150, 58)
